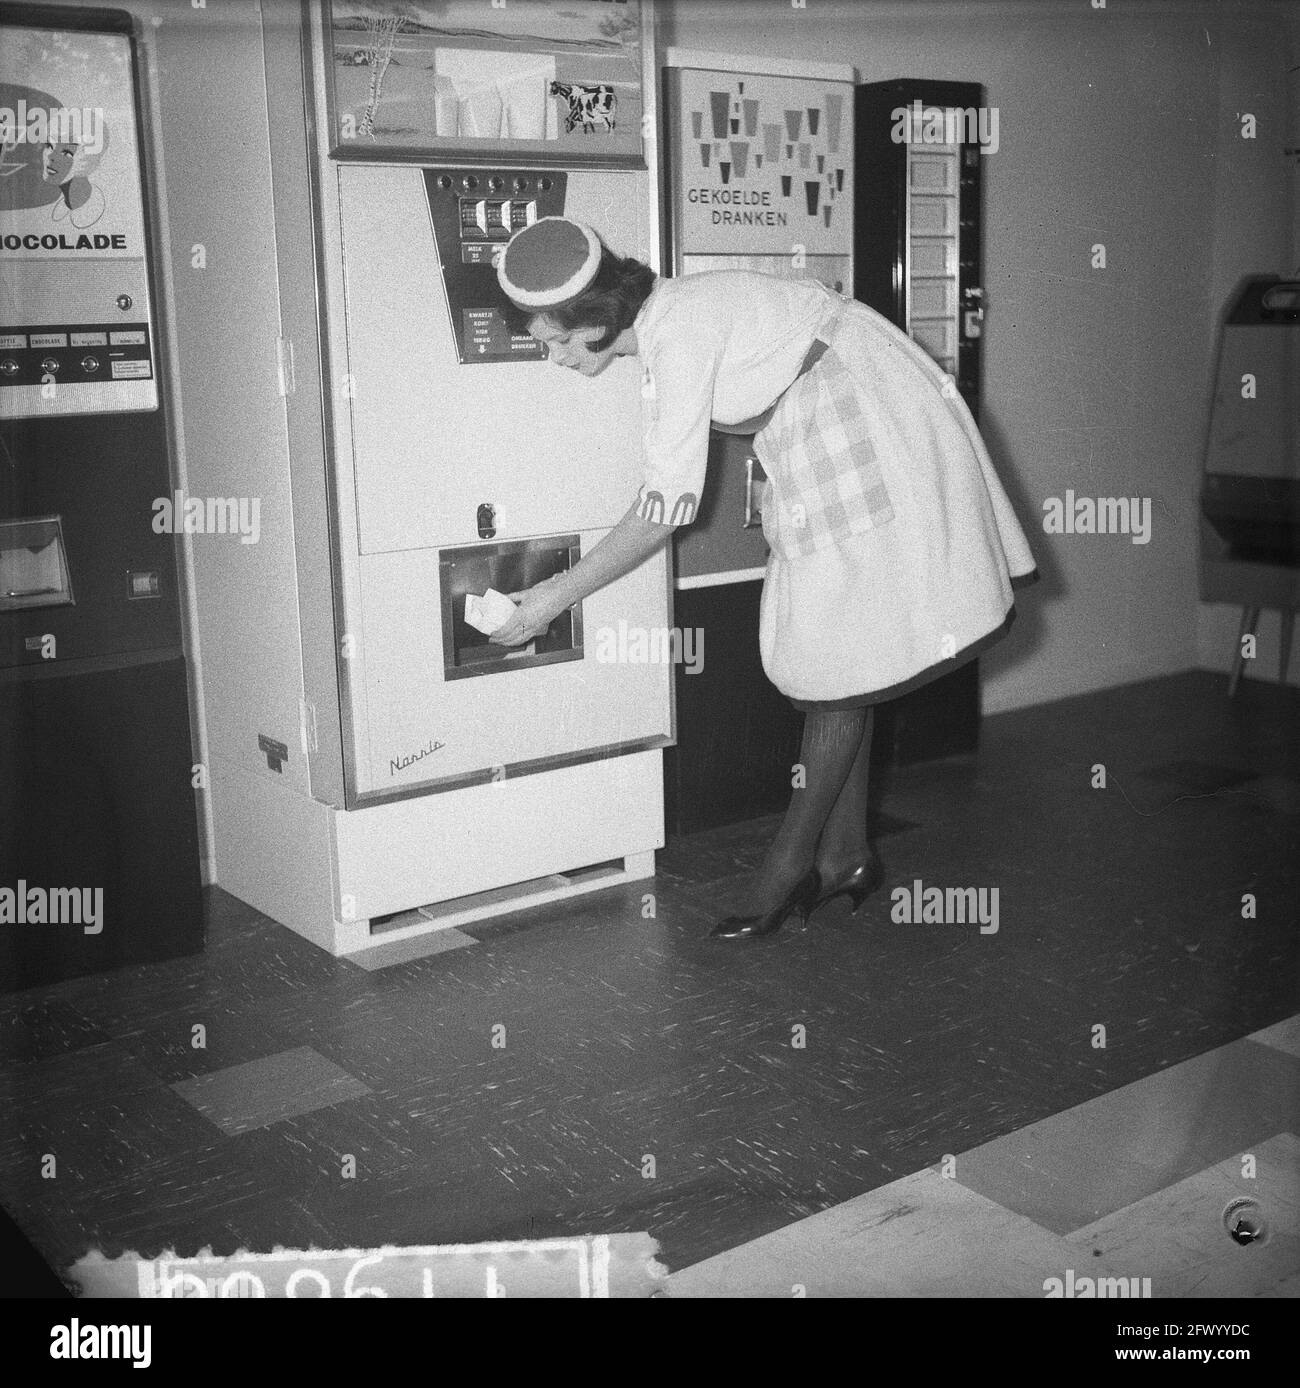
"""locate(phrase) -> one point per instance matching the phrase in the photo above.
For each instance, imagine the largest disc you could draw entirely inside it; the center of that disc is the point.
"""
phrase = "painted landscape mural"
(555, 77)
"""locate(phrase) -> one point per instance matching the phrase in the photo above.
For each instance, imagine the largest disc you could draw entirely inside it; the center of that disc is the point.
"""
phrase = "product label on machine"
(69, 172)
(484, 332)
(72, 227)
(765, 166)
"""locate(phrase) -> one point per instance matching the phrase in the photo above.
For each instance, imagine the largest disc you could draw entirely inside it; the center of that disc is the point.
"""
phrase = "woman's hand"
(631, 542)
(537, 608)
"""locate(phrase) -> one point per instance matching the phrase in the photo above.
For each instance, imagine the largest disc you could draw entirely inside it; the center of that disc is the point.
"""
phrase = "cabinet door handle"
(753, 512)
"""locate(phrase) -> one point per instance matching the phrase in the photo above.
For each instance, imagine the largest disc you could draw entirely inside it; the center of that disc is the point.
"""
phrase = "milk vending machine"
(99, 861)
(380, 770)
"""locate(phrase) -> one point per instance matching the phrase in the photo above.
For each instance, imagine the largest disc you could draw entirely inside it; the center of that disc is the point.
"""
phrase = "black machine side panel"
(880, 216)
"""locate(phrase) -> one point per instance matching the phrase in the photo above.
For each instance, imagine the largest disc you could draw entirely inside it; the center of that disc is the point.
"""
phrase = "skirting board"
(325, 873)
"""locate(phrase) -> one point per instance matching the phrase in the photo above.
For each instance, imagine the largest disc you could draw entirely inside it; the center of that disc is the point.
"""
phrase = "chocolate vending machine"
(99, 861)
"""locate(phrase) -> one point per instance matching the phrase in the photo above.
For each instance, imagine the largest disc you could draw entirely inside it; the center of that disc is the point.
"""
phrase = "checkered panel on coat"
(826, 473)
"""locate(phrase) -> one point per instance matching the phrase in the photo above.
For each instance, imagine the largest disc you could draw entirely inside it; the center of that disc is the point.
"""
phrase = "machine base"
(336, 877)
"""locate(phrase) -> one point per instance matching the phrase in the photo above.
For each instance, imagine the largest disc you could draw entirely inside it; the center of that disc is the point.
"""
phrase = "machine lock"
(277, 753)
(487, 521)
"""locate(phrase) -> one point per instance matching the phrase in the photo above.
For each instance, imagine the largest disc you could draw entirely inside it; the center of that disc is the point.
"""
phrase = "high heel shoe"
(799, 898)
(857, 885)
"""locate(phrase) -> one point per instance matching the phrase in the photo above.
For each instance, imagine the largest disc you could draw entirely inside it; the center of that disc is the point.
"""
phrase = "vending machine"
(99, 863)
(380, 769)
(921, 151)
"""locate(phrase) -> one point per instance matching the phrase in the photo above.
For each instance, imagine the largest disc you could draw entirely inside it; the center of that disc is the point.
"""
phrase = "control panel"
(474, 213)
(74, 354)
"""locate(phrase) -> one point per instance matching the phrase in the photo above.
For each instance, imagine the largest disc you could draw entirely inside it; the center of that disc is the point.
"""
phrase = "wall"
(1249, 178)
(1115, 128)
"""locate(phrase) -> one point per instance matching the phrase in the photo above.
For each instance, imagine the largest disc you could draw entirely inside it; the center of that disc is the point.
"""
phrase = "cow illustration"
(593, 107)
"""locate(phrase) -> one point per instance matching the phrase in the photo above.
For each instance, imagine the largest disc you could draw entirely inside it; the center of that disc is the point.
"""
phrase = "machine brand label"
(50, 242)
(401, 763)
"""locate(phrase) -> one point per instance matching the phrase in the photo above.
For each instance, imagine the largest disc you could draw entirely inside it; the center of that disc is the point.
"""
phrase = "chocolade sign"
(69, 176)
(762, 164)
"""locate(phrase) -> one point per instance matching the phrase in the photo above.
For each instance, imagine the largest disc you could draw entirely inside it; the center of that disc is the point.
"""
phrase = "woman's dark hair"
(611, 301)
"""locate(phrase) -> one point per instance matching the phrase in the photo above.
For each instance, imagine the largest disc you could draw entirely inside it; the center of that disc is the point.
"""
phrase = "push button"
(89, 364)
(9, 366)
(50, 365)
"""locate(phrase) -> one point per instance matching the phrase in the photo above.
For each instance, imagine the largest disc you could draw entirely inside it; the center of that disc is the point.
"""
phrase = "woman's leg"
(843, 843)
(831, 743)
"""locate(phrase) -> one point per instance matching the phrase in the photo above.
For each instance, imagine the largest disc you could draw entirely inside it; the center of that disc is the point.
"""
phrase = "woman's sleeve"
(676, 406)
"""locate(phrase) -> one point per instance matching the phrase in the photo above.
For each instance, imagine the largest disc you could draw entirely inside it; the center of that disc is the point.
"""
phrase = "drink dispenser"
(381, 769)
(507, 567)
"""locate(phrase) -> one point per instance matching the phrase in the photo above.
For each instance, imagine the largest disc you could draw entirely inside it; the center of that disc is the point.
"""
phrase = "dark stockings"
(826, 822)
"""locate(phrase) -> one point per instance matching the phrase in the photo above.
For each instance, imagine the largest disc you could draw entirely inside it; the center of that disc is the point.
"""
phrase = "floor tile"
(1198, 777)
(921, 1236)
(384, 954)
(1176, 1235)
(1069, 1170)
(261, 1092)
(39, 1031)
(1285, 1036)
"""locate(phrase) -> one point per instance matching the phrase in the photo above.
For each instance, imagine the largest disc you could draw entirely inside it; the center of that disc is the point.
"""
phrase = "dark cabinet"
(917, 220)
